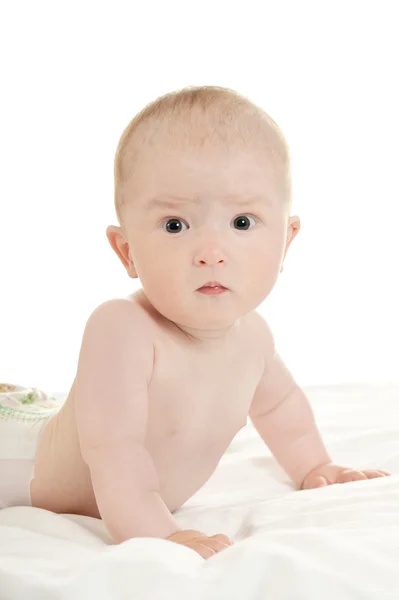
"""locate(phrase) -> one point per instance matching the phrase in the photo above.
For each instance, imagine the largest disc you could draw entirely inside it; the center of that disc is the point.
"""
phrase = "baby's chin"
(195, 310)
(207, 314)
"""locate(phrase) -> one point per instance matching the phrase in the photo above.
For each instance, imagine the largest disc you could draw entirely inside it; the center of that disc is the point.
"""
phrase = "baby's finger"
(321, 481)
(184, 535)
(315, 482)
(203, 550)
(222, 538)
(350, 475)
(212, 543)
(373, 474)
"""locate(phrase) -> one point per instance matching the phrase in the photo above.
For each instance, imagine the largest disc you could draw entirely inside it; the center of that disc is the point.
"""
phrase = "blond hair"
(207, 113)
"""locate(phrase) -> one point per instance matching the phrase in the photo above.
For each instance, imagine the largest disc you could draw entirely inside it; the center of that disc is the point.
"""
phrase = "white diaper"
(24, 412)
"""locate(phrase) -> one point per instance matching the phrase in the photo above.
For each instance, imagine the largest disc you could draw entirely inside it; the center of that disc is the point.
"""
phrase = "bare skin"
(208, 389)
(199, 396)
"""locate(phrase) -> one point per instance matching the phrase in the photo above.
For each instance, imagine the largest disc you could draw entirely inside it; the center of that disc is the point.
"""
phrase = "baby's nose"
(210, 255)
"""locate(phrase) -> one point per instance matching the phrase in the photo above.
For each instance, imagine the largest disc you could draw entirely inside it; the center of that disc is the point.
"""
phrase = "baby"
(167, 376)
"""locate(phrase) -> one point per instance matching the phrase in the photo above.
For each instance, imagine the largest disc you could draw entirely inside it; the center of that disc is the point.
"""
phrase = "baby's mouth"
(213, 288)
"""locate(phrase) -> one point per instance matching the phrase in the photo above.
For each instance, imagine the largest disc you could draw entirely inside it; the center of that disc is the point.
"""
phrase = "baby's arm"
(283, 417)
(114, 369)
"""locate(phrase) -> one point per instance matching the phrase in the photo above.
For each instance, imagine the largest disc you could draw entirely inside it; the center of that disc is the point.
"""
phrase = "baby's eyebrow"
(172, 201)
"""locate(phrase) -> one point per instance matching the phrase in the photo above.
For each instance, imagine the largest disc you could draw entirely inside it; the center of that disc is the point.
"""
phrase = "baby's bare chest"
(199, 397)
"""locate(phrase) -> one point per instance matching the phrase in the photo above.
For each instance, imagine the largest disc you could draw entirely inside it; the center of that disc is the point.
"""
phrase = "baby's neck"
(211, 336)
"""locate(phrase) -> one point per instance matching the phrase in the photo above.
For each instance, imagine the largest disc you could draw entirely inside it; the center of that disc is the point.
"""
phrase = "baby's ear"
(132, 269)
(120, 246)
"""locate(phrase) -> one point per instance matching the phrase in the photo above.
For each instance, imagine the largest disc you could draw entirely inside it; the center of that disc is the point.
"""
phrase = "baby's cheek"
(264, 276)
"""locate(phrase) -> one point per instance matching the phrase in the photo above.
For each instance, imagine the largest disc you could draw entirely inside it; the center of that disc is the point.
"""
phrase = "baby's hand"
(200, 542)
(330, 474)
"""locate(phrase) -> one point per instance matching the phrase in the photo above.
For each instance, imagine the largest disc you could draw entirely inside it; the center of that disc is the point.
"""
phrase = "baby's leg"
(24, 413)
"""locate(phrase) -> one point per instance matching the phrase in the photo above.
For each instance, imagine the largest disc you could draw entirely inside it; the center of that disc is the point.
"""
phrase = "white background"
(73, 74)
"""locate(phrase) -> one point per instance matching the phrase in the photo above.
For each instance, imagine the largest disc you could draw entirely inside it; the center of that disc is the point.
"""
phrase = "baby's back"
(198, 398)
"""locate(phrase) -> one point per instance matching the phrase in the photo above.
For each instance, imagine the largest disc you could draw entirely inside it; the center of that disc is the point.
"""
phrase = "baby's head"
(203, 193)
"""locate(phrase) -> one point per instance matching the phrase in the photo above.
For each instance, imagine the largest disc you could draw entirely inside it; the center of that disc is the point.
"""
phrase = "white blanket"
(339, 542)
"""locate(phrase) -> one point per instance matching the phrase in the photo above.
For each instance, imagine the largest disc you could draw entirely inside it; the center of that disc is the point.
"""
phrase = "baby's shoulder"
(262, 335)
(126, 313)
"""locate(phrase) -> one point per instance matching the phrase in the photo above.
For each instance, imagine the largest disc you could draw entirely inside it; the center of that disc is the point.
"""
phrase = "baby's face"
(203, 234)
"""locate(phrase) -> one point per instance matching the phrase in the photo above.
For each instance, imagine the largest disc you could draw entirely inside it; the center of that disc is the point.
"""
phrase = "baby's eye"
(242, 221)
(173, 225)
